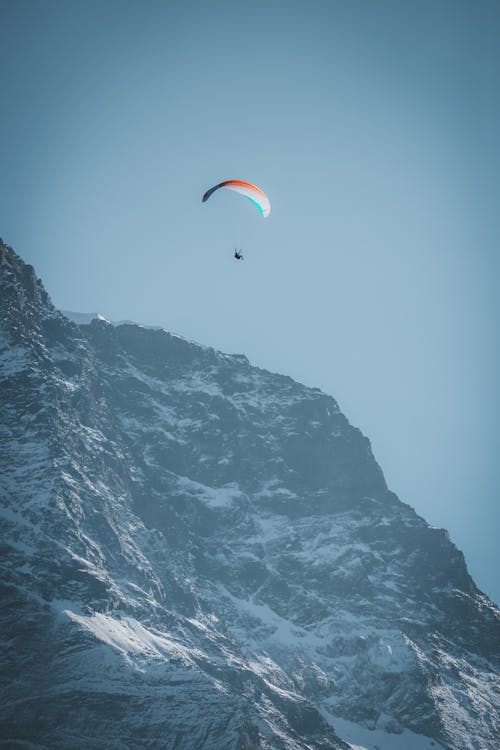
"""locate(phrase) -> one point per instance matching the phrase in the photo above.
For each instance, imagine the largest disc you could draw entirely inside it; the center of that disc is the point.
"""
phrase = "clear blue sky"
(374, 129)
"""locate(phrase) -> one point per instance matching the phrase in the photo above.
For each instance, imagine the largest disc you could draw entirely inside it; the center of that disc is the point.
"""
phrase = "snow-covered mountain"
(199, 554)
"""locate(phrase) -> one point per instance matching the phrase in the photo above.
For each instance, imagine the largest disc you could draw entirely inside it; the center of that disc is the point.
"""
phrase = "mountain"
(200, 554)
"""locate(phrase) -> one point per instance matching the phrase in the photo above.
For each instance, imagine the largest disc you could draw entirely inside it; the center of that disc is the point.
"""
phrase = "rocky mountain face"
(199, 554)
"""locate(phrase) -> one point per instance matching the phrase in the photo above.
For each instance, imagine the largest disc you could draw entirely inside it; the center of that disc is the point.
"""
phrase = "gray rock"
(197, 553)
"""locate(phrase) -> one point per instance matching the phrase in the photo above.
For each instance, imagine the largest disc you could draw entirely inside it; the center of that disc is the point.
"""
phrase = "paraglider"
(254, 194)
(249, 190)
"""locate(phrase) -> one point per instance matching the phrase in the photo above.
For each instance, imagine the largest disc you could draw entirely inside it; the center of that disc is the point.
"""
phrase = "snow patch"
(83, 319)
(214, 497)
(132, 639)
(361, 738)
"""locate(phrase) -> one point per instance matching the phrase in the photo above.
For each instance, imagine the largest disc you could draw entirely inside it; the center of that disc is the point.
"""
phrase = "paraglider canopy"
(248, 189)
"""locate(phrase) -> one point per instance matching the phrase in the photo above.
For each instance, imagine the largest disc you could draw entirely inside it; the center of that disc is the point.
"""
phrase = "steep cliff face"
(197, 553)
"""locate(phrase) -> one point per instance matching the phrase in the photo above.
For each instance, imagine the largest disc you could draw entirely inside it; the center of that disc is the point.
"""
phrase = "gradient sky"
(374, 127)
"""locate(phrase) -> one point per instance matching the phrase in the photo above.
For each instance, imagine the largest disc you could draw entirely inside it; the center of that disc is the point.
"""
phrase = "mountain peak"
(201, 553)
(15, 272)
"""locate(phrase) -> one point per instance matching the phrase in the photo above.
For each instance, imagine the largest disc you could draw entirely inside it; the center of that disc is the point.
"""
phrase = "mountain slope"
(201, 554)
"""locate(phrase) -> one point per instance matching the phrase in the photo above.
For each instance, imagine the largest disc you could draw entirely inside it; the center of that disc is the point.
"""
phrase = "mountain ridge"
(215, 546)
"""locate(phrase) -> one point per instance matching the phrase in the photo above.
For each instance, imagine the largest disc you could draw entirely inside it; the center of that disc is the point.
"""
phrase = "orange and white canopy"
(250, 191)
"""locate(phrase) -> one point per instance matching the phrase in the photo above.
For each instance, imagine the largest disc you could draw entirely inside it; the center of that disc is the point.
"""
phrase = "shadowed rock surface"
(197, 553)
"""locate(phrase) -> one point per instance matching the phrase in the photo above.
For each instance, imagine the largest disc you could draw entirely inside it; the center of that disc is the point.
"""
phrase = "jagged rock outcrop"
(197, 553)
